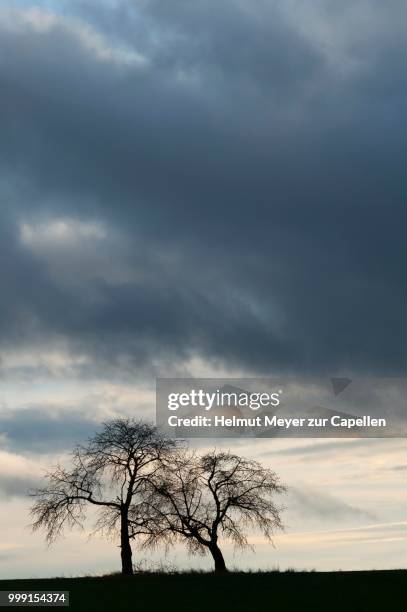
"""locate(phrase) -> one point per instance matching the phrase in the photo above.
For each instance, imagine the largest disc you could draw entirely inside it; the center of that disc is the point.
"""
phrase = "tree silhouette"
(200, 499)
(111, 472)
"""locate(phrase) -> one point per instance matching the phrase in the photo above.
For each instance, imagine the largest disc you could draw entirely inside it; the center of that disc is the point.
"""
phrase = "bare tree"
(111, 472)
(218, 494)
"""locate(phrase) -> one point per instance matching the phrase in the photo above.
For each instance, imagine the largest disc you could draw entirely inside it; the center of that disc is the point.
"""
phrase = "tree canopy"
(110, 472)
(218, 495)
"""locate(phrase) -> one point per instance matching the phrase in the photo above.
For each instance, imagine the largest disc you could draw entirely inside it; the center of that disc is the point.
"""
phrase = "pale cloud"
(18, 474)
(76, 251)
(60, 233)
(372, 533)
(50, 362)
(43, 21)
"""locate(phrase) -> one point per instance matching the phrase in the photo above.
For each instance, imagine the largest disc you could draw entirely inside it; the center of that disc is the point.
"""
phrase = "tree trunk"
(220, 566)
(126, 554)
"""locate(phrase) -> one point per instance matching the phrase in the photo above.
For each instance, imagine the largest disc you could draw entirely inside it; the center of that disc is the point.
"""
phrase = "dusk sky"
(202, 188)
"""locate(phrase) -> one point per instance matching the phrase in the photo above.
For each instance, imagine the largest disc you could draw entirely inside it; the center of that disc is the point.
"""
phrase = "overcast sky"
(201, 188)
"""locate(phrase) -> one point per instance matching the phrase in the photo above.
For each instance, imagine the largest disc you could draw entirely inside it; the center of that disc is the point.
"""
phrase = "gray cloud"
(45, 430)
(399, 468)
(252, 182)
(326, 447)
(312, 503)
(16, 486)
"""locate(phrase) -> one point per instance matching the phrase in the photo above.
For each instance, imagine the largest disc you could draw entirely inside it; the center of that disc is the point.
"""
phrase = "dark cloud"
(252, 182)
(44, 430)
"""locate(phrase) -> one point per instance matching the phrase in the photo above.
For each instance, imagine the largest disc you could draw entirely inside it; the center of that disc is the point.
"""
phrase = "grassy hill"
(237, 592)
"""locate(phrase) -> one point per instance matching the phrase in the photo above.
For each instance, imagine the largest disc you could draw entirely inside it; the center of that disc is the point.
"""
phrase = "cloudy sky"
(199, 188)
